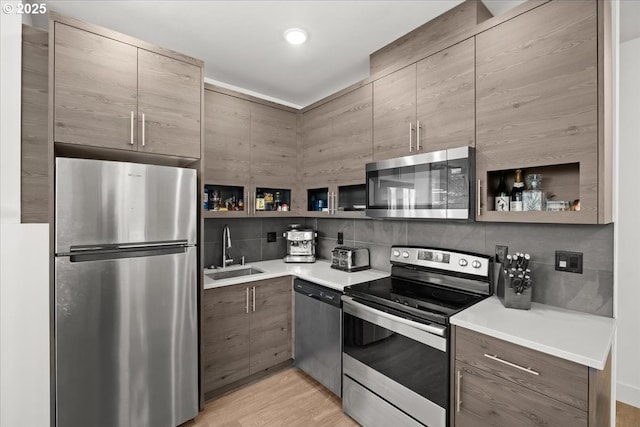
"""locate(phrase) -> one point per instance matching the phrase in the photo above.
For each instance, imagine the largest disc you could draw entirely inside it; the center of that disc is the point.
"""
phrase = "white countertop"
(318, 272)
(571, 335)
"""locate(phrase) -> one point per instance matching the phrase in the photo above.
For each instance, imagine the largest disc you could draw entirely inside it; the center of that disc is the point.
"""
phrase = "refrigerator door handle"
(124, 246)
(102, 255)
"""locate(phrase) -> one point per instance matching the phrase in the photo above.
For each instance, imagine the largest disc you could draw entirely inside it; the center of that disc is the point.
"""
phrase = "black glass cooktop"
(423, 300)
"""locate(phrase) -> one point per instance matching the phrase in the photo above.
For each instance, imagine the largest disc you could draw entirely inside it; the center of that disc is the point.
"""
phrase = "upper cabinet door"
(537, 102)
(317, 144)
(169, 99)
(394, 115)
(446, 98)
(537, 99)
(227, 146)
(352, 134)
(95, 90)
(273, 146)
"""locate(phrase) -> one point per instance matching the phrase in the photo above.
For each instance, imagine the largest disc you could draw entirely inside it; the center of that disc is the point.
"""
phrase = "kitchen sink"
(236, 272)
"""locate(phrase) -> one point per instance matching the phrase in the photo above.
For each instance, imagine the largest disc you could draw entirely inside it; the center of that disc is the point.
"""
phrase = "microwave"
(436, 185)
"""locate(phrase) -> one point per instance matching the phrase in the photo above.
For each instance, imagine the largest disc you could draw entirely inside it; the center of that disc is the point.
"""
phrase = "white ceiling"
(242, 45)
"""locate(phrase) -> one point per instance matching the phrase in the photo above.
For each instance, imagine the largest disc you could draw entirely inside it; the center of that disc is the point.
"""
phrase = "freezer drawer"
(103, 202)
(126, 341)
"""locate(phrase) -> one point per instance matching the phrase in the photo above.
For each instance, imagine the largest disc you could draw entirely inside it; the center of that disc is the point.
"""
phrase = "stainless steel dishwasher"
(318, 333)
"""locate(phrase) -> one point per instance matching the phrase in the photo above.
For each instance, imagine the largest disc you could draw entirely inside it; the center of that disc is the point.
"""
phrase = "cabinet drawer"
(482, 399)
(554, 377)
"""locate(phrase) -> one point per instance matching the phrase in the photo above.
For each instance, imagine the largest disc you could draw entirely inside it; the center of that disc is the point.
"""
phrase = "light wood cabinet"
(394, 115)
(95, 90)
(270, 331)
(169, 100)
(227, 144)
(427, 106)
(537, 107)
(110, 93)
(249, 145)
(497, 383)
(487, 400)
(336, 146)
(225, 334)
(446, 98)
(247, 329)
(34, 185)
(273, 146)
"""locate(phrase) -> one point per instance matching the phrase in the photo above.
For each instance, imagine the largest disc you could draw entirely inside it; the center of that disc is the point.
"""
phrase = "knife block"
(507, 295)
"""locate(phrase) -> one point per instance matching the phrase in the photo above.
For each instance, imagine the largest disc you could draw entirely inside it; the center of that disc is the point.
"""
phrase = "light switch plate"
(570, 262)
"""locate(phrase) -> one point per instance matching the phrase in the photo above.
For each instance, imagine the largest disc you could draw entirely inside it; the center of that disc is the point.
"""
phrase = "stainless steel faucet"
(226, 244)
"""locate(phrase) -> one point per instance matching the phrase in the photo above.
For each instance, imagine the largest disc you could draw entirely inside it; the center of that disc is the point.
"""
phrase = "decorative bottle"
(502, 196)
(516, 193)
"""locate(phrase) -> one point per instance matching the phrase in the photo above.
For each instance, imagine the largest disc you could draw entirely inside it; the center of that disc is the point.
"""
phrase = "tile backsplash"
(248, 238)
(590, 292)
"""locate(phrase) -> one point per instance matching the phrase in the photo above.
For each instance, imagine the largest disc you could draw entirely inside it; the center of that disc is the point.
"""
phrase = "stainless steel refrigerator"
(125, 294)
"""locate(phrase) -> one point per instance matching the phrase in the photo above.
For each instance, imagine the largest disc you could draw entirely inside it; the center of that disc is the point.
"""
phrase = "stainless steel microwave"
(435, 185)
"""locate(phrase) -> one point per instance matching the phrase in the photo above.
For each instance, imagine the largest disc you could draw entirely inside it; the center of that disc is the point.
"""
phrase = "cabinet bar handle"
(410, 132)
(513, 365)
(479, 198)
(458, 387)
(143, 124)
(333, 200)
(418, 136)
(132, 128)
(254, 298)
(332, 203)
(246, 306)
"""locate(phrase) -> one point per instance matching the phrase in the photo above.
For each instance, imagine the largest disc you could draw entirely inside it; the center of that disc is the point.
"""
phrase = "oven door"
(404, 362)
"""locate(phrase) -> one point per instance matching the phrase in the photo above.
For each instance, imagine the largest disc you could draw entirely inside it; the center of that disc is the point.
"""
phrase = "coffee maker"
(301, 244)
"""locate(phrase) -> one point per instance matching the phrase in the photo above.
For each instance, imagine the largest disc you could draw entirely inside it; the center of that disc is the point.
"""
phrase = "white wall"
(628, 227)
(24, 256)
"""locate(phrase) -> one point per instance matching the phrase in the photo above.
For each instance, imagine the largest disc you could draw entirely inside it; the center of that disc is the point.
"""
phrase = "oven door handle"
(435, 334)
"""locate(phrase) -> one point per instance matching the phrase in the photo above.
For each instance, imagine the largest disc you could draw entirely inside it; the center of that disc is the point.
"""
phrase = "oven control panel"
(459, 262)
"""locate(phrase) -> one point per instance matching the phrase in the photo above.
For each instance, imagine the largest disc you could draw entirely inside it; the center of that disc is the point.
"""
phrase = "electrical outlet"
(340, 238)
(271, 236)
(569, 261)
(501, 253)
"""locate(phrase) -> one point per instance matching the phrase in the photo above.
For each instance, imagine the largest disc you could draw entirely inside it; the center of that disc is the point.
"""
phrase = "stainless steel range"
(396, 335)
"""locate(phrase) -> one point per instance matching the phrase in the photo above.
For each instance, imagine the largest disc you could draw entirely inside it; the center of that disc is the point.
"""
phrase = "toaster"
(349, 258)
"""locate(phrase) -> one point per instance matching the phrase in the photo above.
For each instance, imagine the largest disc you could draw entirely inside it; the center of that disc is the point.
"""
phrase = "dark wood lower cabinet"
(225, 334)
(483, 399)
(500, 384)
(246, 330)
(270, 334)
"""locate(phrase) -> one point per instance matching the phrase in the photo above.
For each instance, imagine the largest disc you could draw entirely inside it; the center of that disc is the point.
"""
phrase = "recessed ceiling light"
(295, 36)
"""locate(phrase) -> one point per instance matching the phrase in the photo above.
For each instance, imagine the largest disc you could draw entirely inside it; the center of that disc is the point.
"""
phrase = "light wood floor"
(286, 398)
(291, 398)
(627, 416)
